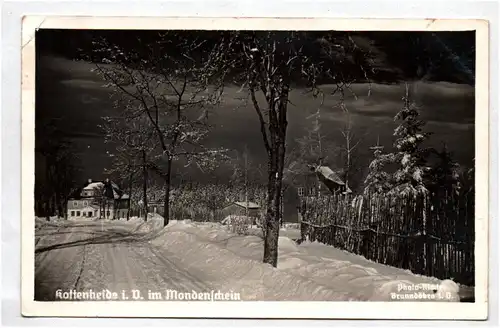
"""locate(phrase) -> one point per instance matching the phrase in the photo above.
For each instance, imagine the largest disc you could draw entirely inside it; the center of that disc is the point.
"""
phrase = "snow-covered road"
(142, 259)
(97, 255)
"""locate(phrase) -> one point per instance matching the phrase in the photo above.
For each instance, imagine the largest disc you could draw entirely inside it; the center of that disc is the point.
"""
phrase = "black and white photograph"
(237, 165)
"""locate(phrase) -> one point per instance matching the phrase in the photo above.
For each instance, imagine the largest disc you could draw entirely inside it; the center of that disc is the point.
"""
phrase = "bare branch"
(261, 121)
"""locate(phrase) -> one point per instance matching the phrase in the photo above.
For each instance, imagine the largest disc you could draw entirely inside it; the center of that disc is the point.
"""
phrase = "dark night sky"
(69, 90)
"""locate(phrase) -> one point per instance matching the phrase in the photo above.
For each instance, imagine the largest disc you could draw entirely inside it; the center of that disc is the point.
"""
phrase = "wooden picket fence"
(433, 236)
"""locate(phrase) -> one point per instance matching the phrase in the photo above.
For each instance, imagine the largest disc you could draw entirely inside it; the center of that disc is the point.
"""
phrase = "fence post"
(366, 237)
(429, 242)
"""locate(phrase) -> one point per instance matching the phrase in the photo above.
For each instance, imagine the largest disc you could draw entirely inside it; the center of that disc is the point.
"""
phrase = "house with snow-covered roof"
(241, 208)
(98, 199)
(320, 180)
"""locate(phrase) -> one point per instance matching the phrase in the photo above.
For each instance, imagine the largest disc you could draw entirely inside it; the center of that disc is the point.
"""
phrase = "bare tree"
(135, 143)
(58, 170)
(349, 147)
(267, 63)
(314, 149)
(169, 90)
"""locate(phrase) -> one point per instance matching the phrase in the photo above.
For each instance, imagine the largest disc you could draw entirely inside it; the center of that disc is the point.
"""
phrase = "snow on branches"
(163, 95)
(410, 155)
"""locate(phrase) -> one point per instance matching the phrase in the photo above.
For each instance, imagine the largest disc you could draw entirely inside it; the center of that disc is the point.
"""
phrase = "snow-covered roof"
(93, 185)
(115, 194)
(249, 205)
(328, 176)
(327, 173)
(111, 188)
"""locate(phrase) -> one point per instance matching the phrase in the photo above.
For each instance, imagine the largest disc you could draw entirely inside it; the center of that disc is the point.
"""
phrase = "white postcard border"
(352, 310)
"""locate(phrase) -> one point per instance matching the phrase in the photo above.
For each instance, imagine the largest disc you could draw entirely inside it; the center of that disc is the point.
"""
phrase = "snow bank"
(238, 224)
(319, 264)
(54, 221)
(289, 232)
(84, 219)
(448, 290)
(227, 271)
(135, 219)
(39, 222)
(294, 226)
(154, 223)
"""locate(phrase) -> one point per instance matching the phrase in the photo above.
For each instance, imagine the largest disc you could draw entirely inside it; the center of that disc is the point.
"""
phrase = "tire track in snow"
(84, 259)
(57, 268)
(82, 267)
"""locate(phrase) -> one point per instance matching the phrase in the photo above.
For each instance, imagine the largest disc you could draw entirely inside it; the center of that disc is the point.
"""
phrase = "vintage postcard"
(255, 168)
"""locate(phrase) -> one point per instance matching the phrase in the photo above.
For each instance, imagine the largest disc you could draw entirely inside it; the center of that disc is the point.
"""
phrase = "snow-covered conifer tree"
(378, 180)
(410, 156)
(445, 174)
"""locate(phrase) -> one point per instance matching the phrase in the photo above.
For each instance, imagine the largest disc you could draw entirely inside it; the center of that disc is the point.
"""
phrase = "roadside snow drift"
(229, 272)
(311, 271)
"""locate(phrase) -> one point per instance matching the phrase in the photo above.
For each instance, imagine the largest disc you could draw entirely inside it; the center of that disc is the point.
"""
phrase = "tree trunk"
(129, 196)
(166, 204)
(58, 205)
(65, 209)
(277, 131)
(270, 226)
(145, 185)
(47, 209)
(273, 215)
(272, 223)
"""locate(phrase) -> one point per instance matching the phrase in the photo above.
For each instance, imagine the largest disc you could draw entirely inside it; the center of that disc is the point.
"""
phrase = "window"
(300, 191)
(77, 213)
(312, 192)
(72, 213)
(75, 204)
(90, 214)
(84, 214)
(85, 203)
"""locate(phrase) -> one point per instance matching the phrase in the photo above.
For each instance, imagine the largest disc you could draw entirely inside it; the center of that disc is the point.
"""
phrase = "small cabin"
(244, 208)
(321, 180)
